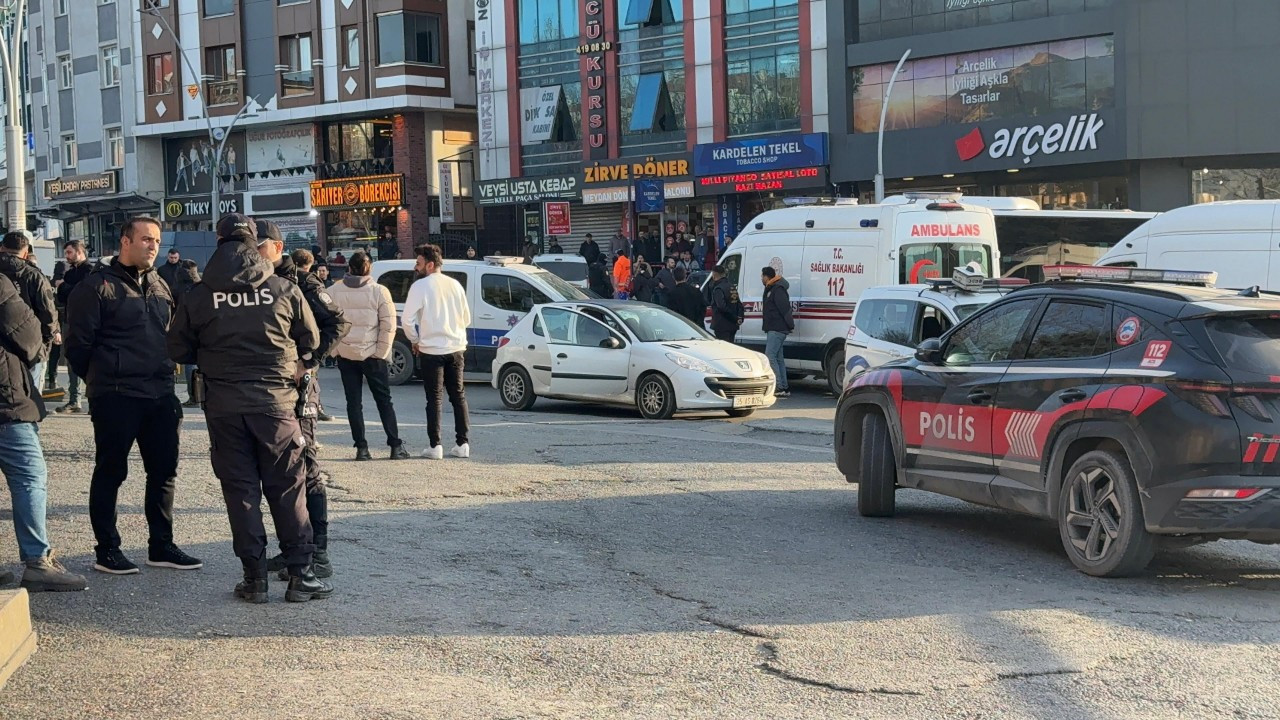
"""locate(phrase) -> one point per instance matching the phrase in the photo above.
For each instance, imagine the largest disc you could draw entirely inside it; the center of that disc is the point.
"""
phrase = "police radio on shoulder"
(1124, 274)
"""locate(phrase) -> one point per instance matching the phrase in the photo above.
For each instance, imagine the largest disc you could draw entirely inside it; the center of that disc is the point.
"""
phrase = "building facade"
(89, 171)
(340, 120)
(1141, 104)
(722, 101)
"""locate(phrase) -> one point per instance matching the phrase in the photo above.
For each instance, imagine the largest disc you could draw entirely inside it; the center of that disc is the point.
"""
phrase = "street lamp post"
(884, 110)
(15, 194)
(219, 143)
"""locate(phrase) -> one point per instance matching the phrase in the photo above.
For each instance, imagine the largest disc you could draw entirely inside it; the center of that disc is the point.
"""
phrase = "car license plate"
(743, 401)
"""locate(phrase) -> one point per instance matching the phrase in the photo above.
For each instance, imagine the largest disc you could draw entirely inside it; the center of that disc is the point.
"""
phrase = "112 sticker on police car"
(1156, 353)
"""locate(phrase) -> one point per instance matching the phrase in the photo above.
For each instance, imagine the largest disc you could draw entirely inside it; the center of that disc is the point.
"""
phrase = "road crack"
(772, 667)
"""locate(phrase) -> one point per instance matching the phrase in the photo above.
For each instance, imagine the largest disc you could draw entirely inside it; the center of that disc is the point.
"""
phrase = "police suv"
(891, 320)
(1128, 405)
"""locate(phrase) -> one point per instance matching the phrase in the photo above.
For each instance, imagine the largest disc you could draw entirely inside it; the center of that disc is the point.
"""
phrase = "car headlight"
(688, 363)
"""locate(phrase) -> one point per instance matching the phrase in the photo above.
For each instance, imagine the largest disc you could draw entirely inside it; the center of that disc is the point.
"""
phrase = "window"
(68, 151)
(934, 323)
(397, 282)
(510, 293)
(160, 74)
(1251, 344)
(571, 328)
(295, 54)
(1071, 330)
(471, 47)
(537, 326)
(925, 261)
(890, 321)
(991, 337)
(66, 74)
(885, 19)
(408, 37)
(652, 110)
(109, 65)
(547, 20)
(648, 13)
(115, 147)
(154, 4)
(350, 47)
(461, 277)
(219, 7)
(61, 7)
(764, 89)
(105, 2)
(222, 87)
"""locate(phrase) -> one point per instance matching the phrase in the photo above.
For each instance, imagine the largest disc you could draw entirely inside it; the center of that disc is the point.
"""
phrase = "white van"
(1239, 239)
(501, 290)
(829, 254)
(569, 268)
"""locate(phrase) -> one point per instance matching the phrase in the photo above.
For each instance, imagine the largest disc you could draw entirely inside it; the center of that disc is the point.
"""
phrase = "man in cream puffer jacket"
(362, 354)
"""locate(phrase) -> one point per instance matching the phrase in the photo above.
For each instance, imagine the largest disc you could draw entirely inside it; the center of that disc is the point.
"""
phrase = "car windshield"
(561, 288)
(568, 271)
(1251, 344)
(656, 324)
(964, 311)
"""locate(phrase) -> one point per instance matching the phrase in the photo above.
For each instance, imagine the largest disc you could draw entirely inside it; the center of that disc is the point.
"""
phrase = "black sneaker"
(304, 586)
(399, 453)
(113, 562)
(782, 393)
(363, 454)
(170, 556)
(70, 409)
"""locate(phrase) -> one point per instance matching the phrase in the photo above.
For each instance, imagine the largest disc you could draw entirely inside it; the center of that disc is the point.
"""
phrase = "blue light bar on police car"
(1124, 274)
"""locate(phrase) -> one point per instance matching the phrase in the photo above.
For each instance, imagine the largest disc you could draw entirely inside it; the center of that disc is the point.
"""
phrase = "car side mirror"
(930, 351)
(611, 342)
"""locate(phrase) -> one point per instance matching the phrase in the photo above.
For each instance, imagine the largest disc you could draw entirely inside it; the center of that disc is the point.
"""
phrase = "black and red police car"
(1131, 406)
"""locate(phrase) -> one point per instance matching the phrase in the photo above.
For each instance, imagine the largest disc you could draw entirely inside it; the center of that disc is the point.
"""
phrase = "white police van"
(892, 320)
(500, 290)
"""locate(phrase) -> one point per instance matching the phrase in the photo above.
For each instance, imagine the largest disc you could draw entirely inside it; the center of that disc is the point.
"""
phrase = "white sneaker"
(461, 451)
(434, 453)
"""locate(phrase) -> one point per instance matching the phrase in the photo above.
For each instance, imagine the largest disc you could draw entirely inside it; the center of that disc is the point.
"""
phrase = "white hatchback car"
(627, 353)
(892, 320)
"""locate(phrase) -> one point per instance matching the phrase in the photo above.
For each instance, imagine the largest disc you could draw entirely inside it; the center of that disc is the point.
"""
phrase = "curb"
(17, 639)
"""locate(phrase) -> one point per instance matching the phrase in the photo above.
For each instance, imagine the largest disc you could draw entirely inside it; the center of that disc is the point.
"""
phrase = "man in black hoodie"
(247, 330)
(686, 299)
(116, 327)
(33, 287)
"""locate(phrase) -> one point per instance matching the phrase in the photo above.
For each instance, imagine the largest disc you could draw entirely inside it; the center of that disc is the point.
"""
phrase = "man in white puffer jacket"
(362, 354)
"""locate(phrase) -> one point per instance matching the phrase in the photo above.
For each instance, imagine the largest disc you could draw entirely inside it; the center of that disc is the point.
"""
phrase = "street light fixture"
(15, 193)
(219, 135)
(884, 110)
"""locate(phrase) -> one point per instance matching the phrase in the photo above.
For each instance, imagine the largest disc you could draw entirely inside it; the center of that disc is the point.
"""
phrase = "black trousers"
(375, 372)
(725, 334)
(310, 458)
(51, 368)
(119, 422)
(261, 455)
(440, 374)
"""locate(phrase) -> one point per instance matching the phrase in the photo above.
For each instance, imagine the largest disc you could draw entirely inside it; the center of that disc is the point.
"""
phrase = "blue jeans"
(773, 350)
(37, 375)
(22, 462)
(73, 387)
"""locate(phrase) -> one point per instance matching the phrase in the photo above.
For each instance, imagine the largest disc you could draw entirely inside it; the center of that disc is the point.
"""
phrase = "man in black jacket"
(333, 326)
(726, 308)
(116, 328)
(21, 457)
(247, 330)
(33, 288)
(687, 299)
(169, 270)
(589, 250)
(78, 268)
(777, 325)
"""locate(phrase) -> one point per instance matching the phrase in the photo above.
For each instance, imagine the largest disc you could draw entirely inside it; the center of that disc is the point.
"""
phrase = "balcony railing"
(222, 92)
(298, 82)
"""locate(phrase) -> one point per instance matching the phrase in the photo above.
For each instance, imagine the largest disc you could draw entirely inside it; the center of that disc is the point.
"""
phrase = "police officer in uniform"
(246, 330)
(332, 328)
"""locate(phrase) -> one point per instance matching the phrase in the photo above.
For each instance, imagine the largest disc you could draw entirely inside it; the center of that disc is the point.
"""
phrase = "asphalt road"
(588, 564)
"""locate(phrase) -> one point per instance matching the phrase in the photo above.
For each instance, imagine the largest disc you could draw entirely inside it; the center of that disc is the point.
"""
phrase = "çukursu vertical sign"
(597, 61)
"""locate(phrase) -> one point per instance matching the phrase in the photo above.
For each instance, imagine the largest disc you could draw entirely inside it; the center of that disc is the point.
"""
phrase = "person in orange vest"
(622, 276)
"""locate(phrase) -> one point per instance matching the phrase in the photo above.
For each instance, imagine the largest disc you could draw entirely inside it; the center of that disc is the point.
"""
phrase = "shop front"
(92, 208)
(608, 191)
(740, 179)
(529, 195)
(281, 161)
(191, 169)
(355, 212)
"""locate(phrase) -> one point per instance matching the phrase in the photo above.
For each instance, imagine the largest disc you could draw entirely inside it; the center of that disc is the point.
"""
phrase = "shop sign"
(726, 219)
(446, 191)
(198, 209)
(624, 171)
(558, 218)
(593, 51)
(1078, 134)
(625, 193)
(538, 106)
(763, 181)
(777, 152)
(650, 196)
(533, 227)
(74, 186)
(511, 191)
(370, 190)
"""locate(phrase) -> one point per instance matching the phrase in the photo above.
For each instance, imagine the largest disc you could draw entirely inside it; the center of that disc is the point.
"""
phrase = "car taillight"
(502, 342)
(1209, 398)
(1222, 493)
(1252, 406)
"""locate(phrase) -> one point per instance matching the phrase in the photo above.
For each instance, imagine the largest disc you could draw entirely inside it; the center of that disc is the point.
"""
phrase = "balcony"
(297, 82)
(222, 92)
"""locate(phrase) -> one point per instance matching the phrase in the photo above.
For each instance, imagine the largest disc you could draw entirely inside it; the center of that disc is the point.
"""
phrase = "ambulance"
(830, 253)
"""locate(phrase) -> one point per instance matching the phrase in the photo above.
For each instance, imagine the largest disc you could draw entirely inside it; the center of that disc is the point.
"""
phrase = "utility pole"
(884, 110)
(15, 139)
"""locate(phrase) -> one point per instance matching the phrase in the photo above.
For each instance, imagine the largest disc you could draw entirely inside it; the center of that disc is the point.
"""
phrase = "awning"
(76, 208)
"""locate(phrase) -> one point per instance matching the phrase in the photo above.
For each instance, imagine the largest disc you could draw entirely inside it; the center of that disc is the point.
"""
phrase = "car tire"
(1100, 517)
(740, 412)
(400, 363)
(655, 398)
(515, 388)
(877, 474)
(834, 367)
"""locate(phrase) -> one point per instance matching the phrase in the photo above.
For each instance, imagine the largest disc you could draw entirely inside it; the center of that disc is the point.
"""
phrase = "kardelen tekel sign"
(775, 152)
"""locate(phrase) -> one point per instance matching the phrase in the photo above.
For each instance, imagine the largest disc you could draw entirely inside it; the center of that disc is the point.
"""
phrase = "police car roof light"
(502, 260)
(1125, 274)
(953, 197)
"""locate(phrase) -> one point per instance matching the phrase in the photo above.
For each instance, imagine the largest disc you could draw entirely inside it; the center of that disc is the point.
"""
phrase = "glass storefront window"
(1208, 185)
(547, 20)
(762, 57)
(883, 19)
(1027, 80)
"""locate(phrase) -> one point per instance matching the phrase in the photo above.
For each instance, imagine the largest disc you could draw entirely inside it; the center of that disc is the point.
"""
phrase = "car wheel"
(516, 388)
(400, 364)
(741, 412)
(655, 397)
(877, 476)
(835, 371)
(1100, 518)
